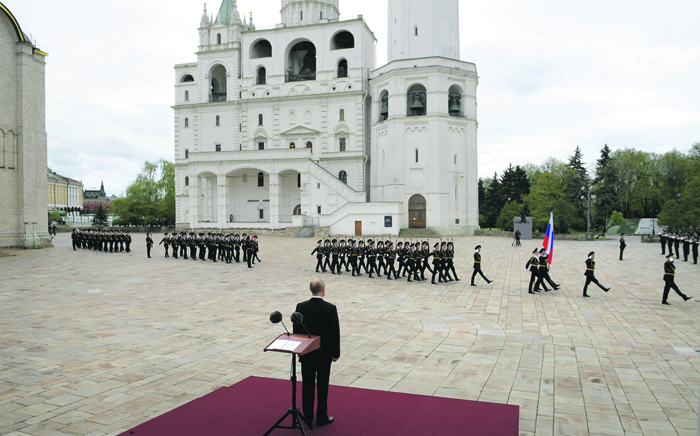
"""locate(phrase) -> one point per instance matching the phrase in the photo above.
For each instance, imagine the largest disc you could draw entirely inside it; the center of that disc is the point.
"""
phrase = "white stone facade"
(23, 152)
(275, 128)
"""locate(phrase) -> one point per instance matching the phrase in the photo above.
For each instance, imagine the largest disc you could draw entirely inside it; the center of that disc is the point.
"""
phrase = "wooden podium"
(293, 344)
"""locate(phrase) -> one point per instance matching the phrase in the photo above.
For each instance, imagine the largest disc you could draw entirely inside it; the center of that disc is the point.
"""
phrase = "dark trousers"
(533, 279)
(238, 253)
(390, 269)
(202, 252)
(590, 279)
(678, 251)
(540, 281)
(148, 250)
(166, 251)
(193, 252)
(353, 266)
(671, 284)
(175, 251)
(622, 249)
(128, 247)
(319, 263)
(478, 271)
(695, 256)
(361, 265)
(315, 375)
(249, 254)
(437, 270)
(549, 279)
(663, 246)
(686, 252)
(183, 251)
(451, 267)
(334, 264)
(381, 264)
(670, 247)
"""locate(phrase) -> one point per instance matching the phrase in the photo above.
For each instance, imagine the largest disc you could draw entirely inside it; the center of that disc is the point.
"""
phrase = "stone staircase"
(306, 232)
(418, 234)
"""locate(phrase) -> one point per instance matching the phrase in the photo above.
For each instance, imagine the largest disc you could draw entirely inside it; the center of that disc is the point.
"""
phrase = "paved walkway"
(96, 343)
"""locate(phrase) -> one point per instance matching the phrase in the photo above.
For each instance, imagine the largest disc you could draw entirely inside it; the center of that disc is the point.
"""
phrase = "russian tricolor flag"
(549, 238)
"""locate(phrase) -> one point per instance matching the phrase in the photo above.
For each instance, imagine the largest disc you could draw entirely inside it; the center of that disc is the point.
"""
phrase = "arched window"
(297, 209)
(309, 145)
(187, 181)
(343, 177)
(218, 38)
(342, 144)
(341, 115)
(342, 40)
(301, 62)
(292, 145)
(343, 68)
(384, 107)
(187, 154)
(260, 119)
(218, 120)
(261, 179)
(298, 181)
(187, 78)
(416, 101)
(187, 95)
(218, 84)
(416, 155)
(261, 49)
(187, 122)
(454, 101)
(262, 76)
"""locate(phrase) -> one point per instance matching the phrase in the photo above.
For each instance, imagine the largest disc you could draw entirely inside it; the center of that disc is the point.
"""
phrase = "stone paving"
(96, 343)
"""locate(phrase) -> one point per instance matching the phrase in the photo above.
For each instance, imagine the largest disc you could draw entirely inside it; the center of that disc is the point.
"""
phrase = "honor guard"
(533, 264)
(149, 244)
(669, 279)
(590, 274)
(477, 265)
(623, 244)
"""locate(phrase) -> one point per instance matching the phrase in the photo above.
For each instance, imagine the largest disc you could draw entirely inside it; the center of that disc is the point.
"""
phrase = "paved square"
(96, 343)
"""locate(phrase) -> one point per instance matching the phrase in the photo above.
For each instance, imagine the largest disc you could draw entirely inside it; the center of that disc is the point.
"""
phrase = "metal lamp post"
(588, 201)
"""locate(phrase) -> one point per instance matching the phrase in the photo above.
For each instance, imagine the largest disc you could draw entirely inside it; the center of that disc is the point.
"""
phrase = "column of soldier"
(690, 243)
(212, 246)
(111, 241)
(412, 259)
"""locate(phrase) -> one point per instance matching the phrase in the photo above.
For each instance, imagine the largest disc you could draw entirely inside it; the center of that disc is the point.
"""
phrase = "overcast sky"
(552, 75)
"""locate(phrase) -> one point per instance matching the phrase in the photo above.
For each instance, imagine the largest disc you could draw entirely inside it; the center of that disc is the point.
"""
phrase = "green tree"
(616, 219)
(150, 199)
(509, 212)
(514, 183)
(482, 196)
(494, 201)
(100, 219)
(683, 213)
(549, 194)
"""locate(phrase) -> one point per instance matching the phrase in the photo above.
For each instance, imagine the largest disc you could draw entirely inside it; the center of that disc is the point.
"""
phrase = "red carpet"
(253, 405)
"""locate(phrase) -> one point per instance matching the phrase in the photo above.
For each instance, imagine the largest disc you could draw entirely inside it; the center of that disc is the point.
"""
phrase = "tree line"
(626, 183)
(150, 199)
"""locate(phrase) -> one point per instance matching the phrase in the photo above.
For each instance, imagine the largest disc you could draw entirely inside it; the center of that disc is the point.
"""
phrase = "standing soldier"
(533, 264)
(128, 242)
(695, 242)
(74, 238)
(669, 278)
(202, 244)
(319, 256)
(149, 244)
(677, 244)
(669, 239)
(477, 265)
(662, 238)
(192, 241)
(237, 247)
(244, 247)
(686, 247)
(623, 244)
(166, 242)
(590, 274)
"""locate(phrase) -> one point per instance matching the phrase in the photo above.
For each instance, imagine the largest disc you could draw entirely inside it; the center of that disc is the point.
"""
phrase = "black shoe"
(546, 290)
(389, 278)
(606, 289)
(664, 302)
(330, 420)
(586, 295)
(308, 423)
(410, 281)
(458, 280)
(433, 282)
(536, 290)
(473, 284)
(530, 292)
(250, 267)
(687, 298)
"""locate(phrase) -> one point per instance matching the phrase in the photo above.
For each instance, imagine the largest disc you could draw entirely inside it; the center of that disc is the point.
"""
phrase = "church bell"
(417, 104)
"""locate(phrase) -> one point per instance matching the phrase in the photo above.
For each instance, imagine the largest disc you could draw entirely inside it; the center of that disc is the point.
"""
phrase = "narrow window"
(455, 197)
(416, 155)
(260, 120)
(218, 38)
(301, 15)
(342, 115)
(261, 146)
(415, 29)
(218, 147)
(240, 127)
(320, 15)
(187, 181)
(292, 145)
(343, 68)
(187, 122)
(262, 76)
(187, 95)
(342, 144)
(261, 179)
(455, 159)
(343, 177)
(309, 145)
(218, 120)
(262, 214)
(187, 154)
(299, 180)
(319, 209)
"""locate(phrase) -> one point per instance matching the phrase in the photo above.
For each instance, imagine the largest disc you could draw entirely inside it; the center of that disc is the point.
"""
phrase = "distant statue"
(523, 217)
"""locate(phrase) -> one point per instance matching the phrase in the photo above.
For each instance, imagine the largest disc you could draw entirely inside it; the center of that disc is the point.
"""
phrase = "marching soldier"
(249, 252)
(149, 244)
(390, 258)
(477, 265)
(669, 278)
(590, 274)
(319, 256)
(127, 240)
(244, 247)
(174, 242)
(352, 254)
(623, 244)
(335, 252)
(533, 264)
(437, 264)
(237, 247)
(545, 270)
(450, 263)
(380, 258)
(166, 242)
(202, 245)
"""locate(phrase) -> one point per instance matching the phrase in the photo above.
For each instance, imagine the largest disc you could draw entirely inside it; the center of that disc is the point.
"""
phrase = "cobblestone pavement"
(96, 343)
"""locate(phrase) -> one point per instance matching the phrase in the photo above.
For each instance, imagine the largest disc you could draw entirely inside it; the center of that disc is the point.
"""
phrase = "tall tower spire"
(423, 28)
(205, 22)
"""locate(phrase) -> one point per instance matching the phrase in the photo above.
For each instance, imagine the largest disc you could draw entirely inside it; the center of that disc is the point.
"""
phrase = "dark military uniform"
(590, 275)
(477, 266)
(669, 278)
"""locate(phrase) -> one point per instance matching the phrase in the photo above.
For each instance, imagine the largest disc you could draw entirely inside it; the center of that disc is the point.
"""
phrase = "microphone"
(298, 318)
(276, 317)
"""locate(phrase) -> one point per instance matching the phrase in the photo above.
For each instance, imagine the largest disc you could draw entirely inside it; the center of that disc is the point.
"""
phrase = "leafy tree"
(100, 219)
(616, 219)
(549, 194)
(515, 183)
(482, 195)
(494, 201)
(150, 199)
(604, 183)
(510, 211)
(684, 212)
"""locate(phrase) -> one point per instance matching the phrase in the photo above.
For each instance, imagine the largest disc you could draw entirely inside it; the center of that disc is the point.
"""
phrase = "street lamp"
(588, 201)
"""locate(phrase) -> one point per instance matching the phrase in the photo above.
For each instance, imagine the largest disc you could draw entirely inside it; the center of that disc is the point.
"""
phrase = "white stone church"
(296, 126)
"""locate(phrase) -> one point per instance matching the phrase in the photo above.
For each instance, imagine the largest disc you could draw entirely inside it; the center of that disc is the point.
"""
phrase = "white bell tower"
(423, 28)
(305, 12)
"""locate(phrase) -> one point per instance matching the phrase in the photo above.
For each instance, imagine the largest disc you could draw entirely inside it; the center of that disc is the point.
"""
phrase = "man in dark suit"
(321, 319)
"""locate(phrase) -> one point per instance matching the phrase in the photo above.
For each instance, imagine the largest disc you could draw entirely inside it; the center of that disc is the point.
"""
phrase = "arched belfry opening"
(454, 101)
(217, 89)
(416, 212)
(416, 101)
(342, 40)
(301, 62)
